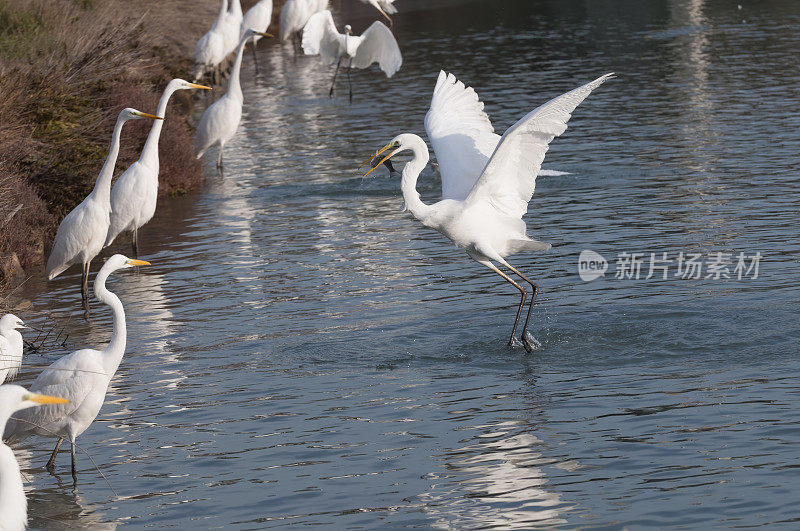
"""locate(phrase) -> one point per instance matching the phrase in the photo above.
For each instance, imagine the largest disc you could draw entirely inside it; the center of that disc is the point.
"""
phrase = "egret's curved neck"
(408, 183)
(102, 187)
(150, 150)
(236, 8)
(223, 9)
(234, 87)
(112, 354)
(13, 505)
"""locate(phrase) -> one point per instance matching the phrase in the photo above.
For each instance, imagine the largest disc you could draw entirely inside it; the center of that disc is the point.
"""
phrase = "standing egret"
(488, 223)
(82, 377)
(231, 24)
(13, 505)
(83, 231)
(295, 14)
(461, 135)
(134, 196)
(257, 17)
(384, 6)
(221, 120)
(376, 45)
(210, 49)
(11, 346)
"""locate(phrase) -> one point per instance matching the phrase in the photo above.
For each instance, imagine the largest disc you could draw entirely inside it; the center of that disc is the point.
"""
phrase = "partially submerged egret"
(384, 6)
(82, 377)
(83, 231)
(375, 45)
(210, 49)
(488, 223)
(11, 346)
(13, 505)
(295, 14)
(134, 195)
(221, 120)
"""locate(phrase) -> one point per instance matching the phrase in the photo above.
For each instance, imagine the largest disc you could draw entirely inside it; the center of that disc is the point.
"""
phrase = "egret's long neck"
(102, 187)
(236, 8)
(150, 151)
(13, 506)
(408, 183)
(223, 9)
(112, 354)
(234, 87)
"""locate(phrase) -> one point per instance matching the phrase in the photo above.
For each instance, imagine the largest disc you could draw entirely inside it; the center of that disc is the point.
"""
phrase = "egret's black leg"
(255, 57)
(219, 157)
(74, 472)
(522, 292)
(350, 84)
(330, 93)
(535, 287)
(135, 243)
(85, 288)
(52, 461)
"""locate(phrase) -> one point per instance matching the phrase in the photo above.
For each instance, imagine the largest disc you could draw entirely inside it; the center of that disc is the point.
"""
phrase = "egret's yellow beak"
(45, 399)
(195, 85)
(134, 262)
(153, 116)
(384, 159)
(265, 34)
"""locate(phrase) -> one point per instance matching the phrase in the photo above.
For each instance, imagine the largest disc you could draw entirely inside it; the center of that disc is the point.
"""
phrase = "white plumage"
(230, 25)
(134, 195)
(295, 14)
(210, 49)
(488, 223)
(82, 233)
(11, 346)
(384, 6)
(82, 377)
(258, 18)
(13, 505)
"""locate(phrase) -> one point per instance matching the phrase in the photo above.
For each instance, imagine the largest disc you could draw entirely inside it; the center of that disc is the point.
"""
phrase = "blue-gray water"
(302, 352)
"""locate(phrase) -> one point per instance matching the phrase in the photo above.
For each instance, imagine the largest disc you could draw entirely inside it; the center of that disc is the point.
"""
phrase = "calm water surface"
(302, 352)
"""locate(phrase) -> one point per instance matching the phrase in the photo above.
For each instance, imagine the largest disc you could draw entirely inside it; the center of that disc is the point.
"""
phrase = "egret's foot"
(529, 342)
(514, 342)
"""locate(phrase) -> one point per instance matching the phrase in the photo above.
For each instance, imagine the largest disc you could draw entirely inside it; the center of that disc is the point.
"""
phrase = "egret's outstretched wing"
(378, 46)
(321, 38)
(508, 181)
(461, 134)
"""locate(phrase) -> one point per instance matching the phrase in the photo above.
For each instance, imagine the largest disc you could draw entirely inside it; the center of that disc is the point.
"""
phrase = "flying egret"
(461, 135)
(257, 17)
(488, 223)
(210, 49)
(82, 377)
(231, 24)
(134, 195)
(295, 14)
(83, 231)
(376, 45)
(11, 346)
(384, 6)
(221, 120)
(13, 505)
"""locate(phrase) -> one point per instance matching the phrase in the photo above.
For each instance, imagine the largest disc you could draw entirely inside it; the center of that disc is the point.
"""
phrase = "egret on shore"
(13, 505)
(134, 196)
(295, 14)
(384, 6)
(488, 223)
(258, 18)
(83, 231)
(11, 346)
(82, 377)
(375, 45)
(221, 120)
(210, 49)
(461, 135)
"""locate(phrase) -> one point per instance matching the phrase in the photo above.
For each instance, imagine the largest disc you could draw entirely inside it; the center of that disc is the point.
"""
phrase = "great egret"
(82, 377)
(221, 120)
(258, 18)
(11, 346)
(13, 505)
(488, 223)
(134, 196)
(376, 45)
(210, 49)
(295, 14)
(461, 135)
(83, 231)
(230, 26)
(384, 6)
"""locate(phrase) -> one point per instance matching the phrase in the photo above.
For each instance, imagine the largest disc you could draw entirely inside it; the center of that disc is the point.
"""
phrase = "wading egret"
(258, 18)
(488, 223)
(13, 505)
(134, 196)
(461, 135)
(221, 120)
(384, 6)
(83, 231)
(376, 45)
(230, 26)
(295, 14)
(82, 377)
(11, 346)
(210, 49)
